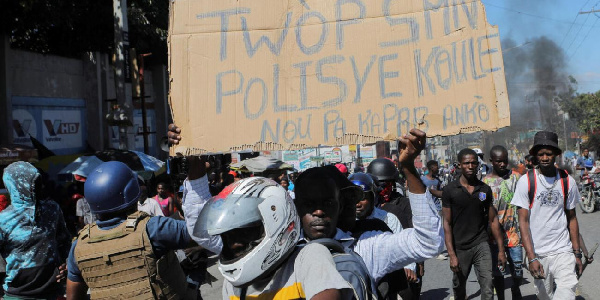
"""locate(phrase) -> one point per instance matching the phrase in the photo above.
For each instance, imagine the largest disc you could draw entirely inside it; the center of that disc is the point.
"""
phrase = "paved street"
(437, 281)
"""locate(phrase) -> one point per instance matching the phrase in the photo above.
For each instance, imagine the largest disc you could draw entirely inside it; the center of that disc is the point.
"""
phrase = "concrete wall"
(44, 80)
(37, 75)
(5, 105)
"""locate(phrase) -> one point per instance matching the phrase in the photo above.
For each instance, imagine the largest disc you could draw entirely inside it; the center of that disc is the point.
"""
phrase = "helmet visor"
(234, 211)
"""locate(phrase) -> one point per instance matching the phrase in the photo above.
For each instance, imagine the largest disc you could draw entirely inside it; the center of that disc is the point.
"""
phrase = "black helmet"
(384, 169)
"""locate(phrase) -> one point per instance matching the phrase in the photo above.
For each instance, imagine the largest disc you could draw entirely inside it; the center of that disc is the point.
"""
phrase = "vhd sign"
(58, 127)
(24, 125)
(62, 129)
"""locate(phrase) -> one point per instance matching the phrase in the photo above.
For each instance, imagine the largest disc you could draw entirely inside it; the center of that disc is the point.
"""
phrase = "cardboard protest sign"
(277, 75)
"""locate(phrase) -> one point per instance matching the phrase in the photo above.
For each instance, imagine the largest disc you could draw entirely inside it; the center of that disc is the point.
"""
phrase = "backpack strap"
(531, 186)
(564, 181)
(532, 182)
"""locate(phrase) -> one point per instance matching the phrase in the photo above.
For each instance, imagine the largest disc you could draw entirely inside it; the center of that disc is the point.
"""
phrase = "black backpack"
(352, 268)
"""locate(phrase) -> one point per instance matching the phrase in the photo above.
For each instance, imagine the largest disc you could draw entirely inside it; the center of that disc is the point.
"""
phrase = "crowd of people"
(320, 234)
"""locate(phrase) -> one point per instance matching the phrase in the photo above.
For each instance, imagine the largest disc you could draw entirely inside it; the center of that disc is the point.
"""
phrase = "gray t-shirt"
(306, 273)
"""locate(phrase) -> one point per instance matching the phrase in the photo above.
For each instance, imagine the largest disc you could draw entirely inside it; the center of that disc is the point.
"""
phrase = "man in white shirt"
(148, 205)
(549, 229)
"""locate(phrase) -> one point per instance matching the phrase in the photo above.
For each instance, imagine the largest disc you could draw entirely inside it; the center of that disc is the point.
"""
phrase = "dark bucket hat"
(545, 139)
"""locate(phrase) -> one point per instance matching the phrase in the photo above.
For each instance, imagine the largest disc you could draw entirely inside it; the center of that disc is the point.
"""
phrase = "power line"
(589, 12)
(518, 46)
(586, 36)
(570, 27)
(532, 15)
(577, 34)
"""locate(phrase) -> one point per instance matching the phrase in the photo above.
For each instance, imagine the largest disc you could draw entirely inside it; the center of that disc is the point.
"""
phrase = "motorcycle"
(590, 192)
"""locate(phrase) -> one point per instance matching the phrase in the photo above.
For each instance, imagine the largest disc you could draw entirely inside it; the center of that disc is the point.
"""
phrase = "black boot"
(499, 286)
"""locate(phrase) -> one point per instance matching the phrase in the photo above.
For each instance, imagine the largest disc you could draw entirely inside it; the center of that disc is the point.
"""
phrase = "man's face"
(319, 208)
(468, 165)
(545, 157)
(238, 242)
(586, 152)
(434, 169)
(499, 162)
(285, 184)
(161, 190)
(365, 206)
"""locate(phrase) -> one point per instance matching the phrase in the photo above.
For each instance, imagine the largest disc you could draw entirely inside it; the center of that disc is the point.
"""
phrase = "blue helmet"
(111, 187)
(365, 181)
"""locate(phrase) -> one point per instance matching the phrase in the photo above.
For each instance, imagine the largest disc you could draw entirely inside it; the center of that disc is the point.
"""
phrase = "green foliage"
(72, 27)
(585, 108)
(593, 142)
(148, 27)
(66, 28)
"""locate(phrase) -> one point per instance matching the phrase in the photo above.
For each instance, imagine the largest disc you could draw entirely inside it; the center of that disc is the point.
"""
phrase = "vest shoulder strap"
(131, 223)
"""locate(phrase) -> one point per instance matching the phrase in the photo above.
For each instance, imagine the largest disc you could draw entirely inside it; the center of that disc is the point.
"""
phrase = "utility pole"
(565, 118)
(122, 70)
(589, 12)
(142, 96)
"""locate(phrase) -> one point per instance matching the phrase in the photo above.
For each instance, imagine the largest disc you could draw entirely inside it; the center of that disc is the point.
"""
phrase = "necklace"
(548, 189)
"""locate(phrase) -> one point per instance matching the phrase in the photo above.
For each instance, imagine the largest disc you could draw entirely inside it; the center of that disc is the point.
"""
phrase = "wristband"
(534, 259)
(579, 255)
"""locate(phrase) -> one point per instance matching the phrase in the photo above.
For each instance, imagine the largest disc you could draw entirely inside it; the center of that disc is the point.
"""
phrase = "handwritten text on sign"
(280, 74)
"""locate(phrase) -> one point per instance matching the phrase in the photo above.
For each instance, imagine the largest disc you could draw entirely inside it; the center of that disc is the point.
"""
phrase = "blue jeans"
(515, 260)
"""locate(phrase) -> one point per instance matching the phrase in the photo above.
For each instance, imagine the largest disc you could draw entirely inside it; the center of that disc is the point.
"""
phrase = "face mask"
(386, 192)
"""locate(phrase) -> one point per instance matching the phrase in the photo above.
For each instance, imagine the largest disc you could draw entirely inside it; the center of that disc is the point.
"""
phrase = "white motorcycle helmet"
(244, 204)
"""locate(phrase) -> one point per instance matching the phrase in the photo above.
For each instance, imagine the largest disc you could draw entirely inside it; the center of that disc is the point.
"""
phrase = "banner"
(279, 75)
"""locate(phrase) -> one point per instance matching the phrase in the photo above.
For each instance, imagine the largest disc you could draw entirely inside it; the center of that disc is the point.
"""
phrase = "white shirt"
(151, 207)
(195, 195)
(390, 219)
(385, 252)
(547, 218)
(393, 223)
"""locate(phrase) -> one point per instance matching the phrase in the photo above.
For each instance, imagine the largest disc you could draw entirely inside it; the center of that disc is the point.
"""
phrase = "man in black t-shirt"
(468, 210)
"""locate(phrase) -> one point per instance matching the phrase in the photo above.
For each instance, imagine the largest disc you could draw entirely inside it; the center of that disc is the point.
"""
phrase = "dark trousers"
(480, 257)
